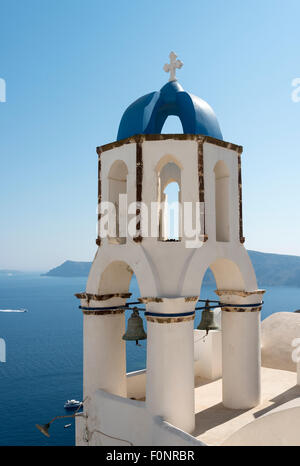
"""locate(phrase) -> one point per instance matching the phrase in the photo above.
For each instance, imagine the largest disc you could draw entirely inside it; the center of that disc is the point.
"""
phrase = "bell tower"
(133, 172)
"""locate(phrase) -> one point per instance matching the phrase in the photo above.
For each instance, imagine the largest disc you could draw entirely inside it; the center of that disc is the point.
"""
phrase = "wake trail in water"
(13, 310)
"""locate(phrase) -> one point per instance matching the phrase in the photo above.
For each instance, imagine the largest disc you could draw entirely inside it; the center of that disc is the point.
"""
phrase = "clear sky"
(72, 67)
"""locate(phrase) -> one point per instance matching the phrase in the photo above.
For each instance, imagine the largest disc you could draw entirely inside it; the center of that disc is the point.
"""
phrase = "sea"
(43, 365)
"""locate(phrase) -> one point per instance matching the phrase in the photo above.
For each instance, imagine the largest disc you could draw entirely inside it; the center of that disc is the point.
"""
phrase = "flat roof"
(215, 423)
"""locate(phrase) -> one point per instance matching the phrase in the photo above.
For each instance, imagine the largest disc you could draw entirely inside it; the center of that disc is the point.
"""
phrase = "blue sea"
(44, 352)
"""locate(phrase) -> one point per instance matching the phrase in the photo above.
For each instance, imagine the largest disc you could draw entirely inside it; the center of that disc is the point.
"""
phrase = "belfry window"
(117, 179)
(222, 201)
(169, 194)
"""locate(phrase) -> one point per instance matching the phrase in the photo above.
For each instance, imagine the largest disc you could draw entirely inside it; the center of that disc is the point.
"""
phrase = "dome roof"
(148, 114)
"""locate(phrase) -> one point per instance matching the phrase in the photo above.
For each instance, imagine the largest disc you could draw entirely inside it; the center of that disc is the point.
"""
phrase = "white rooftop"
(215, 423)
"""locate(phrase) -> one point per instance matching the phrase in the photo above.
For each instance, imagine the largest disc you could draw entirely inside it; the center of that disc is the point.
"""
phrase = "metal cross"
(171, 67)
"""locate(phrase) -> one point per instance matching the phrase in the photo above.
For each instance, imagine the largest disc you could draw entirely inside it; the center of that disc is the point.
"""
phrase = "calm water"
(44, 352)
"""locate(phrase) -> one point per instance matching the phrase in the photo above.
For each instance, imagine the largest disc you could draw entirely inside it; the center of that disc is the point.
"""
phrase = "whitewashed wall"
(128, 420)
(280, 427)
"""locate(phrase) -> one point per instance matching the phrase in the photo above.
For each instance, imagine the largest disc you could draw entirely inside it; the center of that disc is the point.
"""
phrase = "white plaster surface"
(208, 354)
(277, 333)
(280, 427)
(216, 423)
(130, 422)
(174, 271)
(241, 359)
(104, 357)
(170, 367)
(136, 384)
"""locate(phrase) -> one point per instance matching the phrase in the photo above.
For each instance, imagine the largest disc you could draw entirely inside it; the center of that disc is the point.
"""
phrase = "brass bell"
(135, 329)
(208, 319)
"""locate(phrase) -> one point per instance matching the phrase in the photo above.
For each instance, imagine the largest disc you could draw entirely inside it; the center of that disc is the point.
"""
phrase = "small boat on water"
(13, 310)
(72, 404)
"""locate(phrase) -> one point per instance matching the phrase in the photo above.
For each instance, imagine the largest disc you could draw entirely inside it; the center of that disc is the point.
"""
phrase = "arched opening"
(207, 290)
(227, 274)
(117, 179)
(115, 278)
(171, 220)
(169, 196)
(118, 277)
(222, 274)
(222, 201)
(172, 125)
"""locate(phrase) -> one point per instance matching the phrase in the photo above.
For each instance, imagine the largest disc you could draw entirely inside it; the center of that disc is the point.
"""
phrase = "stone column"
(241, 354)
(170, 360)
(104, 350)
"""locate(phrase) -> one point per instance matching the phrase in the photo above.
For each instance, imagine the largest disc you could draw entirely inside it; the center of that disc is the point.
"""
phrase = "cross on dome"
(171, 67)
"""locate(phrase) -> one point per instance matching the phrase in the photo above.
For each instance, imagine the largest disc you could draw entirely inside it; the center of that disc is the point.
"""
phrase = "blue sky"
(73, 66)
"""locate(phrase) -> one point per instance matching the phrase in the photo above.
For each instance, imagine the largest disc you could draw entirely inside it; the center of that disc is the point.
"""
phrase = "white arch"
(118, 170)
(122, 262)
(231, 267)
(168, 171)
(117, 185)
(168, 158)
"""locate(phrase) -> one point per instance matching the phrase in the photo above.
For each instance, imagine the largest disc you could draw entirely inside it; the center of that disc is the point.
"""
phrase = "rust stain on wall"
(101, 297)
(242, 238)
(103, 313)
(163, 137)
(201, 182)
(139, 187)
(98, 240)
(169, 320)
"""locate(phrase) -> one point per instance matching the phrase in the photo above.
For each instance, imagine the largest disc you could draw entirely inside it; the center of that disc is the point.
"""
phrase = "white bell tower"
(133, 172)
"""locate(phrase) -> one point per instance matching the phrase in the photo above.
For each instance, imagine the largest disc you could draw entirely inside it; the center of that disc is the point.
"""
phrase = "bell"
(44, 428)
(207, 319)
(135, 329)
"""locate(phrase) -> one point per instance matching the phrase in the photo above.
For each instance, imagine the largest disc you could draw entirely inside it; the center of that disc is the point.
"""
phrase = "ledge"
(139, 138)
(101, 297)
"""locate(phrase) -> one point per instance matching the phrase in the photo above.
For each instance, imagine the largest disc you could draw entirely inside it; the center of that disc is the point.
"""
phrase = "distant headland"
(69, 269)
(271, 269)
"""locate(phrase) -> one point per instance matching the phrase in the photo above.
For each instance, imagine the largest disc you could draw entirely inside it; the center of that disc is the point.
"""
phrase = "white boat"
(13, 310)
(72, 404)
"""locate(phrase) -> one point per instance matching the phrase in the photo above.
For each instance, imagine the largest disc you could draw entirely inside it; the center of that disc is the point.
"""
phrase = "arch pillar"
(170, 360)
(241, 354)
(104, 350)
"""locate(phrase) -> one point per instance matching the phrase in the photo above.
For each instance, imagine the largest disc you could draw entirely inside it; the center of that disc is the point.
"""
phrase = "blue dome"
(148, 114)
